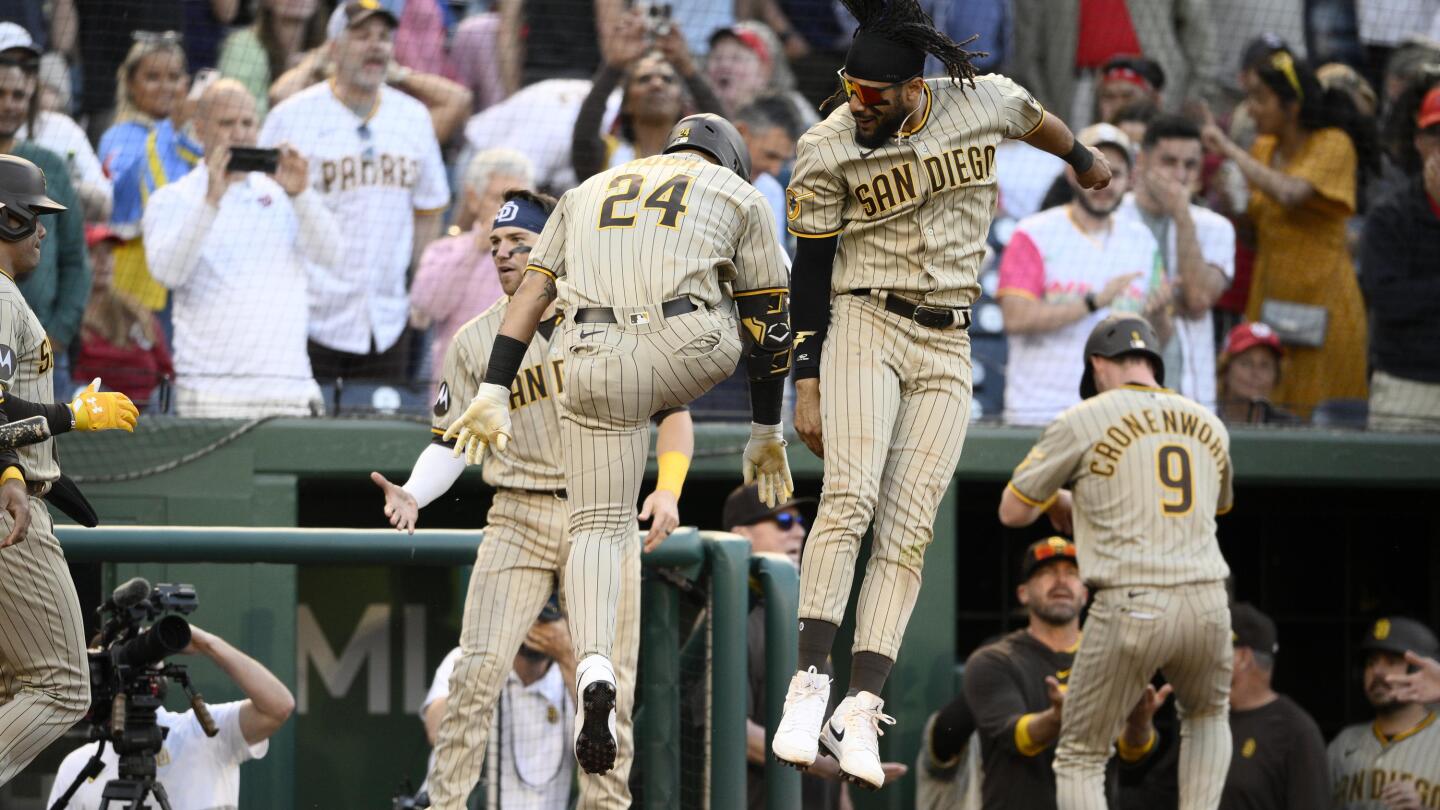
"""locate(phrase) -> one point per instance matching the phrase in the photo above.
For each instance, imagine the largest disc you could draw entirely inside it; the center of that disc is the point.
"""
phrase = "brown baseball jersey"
(532, 460)
(1150, 471)
(1363, 761)
(26, 369)
(913, 214)
(698, 225)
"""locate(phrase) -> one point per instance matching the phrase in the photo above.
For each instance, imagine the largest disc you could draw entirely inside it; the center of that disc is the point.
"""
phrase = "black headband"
(874, 58)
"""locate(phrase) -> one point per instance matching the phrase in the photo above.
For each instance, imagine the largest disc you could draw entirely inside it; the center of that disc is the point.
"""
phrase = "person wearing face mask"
(375, 162)
(1249, 369)
(146, 148)
(456, 278)
(240, 313)
(1197, 248)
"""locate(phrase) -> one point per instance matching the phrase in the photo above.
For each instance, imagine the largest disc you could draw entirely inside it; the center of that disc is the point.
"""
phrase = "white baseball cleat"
(853, 736)
(797, 738)
(595, 716)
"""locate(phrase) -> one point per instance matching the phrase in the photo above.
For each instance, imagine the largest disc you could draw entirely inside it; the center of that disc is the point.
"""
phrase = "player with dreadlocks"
(892, 195)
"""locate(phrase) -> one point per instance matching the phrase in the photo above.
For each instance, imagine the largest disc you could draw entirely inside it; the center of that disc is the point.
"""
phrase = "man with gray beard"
(1016, 686)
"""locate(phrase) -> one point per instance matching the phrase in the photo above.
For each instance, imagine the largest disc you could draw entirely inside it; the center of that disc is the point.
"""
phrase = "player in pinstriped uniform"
(522, 559)
(642, 259)
(44, 676)
(1149, 471)
(1392, 763)
(892, 196)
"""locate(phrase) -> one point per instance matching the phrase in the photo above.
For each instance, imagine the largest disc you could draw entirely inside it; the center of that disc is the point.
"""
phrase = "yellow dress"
(1301, 257)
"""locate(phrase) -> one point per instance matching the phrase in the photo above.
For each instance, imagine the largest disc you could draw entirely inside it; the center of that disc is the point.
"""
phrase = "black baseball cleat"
(595, 744)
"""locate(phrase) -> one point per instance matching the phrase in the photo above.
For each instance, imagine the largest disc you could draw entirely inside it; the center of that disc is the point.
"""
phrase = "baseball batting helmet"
(1120, 334)
(1396, 634)
(22, 198)
(714, 136)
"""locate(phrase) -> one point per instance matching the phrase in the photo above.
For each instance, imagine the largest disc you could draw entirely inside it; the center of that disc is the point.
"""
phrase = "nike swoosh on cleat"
(838, 735)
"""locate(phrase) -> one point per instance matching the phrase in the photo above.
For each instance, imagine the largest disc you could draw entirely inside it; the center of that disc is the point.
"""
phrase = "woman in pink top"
(456, 279)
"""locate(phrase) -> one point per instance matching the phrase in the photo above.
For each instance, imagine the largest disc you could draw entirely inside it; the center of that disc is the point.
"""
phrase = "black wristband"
(765, 401)
(1080, 157)
(505, 358)
(1090, 302)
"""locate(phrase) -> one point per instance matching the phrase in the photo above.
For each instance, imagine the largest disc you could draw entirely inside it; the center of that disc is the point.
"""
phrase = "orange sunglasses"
(869, 96)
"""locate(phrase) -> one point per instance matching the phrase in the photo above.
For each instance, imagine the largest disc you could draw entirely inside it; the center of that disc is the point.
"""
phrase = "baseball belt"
(671, 308)
(924, 314)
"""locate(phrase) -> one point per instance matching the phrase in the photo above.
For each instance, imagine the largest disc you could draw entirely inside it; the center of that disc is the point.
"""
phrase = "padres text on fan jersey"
(913, 214)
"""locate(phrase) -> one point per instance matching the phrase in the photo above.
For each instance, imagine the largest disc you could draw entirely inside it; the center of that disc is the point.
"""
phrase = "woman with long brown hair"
(120, 339)
(283, 32)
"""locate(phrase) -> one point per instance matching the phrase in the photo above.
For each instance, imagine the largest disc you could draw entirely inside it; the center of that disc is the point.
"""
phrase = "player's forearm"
(1053, 136)
(674, 448)
(1137, 741)
(1016, 513)
(527, 305)
(57, 414)
(1024, 316)
(436, 470)
(810, 301)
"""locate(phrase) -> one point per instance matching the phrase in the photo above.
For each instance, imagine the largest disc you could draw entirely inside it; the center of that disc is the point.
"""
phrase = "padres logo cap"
(1044, 552)
(1399, 634)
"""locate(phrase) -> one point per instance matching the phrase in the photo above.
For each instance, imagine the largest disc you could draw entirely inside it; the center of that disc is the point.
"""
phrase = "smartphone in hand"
(251, 159)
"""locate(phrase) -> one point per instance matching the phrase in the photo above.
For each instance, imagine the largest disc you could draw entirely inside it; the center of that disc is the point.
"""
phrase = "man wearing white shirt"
(198, 772)
(233, 246)
(1197, 245)
(375, 162)
(529, 765)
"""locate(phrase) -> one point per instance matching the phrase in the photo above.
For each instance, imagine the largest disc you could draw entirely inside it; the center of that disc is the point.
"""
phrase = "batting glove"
(486, 422)
(765, 464)
(96, 410)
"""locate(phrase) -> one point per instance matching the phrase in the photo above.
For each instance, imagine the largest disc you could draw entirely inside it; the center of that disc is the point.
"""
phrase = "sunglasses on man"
(869, 96)
(787, 521)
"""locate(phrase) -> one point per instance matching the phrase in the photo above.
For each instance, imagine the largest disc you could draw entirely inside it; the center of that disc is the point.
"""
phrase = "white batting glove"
(486, 421)
(765, 464)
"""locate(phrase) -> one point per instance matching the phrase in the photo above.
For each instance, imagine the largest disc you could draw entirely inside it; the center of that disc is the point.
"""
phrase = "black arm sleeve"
(765, 316)
(57, 414)
(587, 148)
(9, 458)
(810, 301)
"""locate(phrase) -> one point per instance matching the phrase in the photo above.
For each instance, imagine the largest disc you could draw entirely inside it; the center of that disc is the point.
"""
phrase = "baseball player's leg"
(514, 574)
(42, 645)
(1117, 657)
(611, 790)
(928, 435)
(1199, 669)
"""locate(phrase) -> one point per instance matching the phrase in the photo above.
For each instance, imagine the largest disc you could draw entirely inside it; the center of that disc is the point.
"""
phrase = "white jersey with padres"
(375, 173)
(532, 461)
(913, 214)
(1363, 761)
(637, 209)
(26, 370)
(1150, 470)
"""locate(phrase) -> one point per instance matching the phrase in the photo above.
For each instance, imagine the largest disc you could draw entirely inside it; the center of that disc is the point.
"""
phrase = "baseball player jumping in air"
(523, 557)
(641, 259)
(44, 677)
(1147, 470)
(892, 196)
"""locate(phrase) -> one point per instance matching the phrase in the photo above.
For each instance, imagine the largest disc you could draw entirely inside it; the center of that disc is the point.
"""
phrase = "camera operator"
(199, 773)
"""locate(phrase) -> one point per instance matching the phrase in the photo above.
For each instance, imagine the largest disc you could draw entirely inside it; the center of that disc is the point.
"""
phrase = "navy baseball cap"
(1251, 628)
(743, 507)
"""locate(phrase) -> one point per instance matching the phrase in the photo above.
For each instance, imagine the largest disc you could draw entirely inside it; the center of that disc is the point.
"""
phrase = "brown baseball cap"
(1044, 552)
(743, 507)
(1251, 628)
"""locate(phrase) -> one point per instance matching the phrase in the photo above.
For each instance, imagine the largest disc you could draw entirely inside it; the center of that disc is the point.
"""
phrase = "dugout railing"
(689, 557)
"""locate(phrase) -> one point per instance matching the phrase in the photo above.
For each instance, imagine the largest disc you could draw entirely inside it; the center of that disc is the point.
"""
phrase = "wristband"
(1090, 302)
(766, 399)
(1080, 157)
(673, 467)
(506, 355)
(12, 474)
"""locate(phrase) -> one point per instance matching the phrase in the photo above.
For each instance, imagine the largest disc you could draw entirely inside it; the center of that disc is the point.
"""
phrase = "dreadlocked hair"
(904, 21)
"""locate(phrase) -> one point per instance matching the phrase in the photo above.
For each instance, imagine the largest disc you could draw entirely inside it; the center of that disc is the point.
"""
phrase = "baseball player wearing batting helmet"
(891, 196)
(642, 259)
(714, 136)
(526, 548)
(46, 683)
(1394, 761)
(1140, 472)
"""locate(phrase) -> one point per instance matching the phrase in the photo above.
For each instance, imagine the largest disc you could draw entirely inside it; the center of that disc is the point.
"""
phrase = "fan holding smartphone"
(231, 240)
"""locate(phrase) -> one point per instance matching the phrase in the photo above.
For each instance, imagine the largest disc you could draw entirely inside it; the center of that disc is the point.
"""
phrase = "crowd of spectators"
(1274, 212)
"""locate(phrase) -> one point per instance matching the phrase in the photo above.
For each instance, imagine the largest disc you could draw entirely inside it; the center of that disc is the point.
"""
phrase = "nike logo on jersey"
(588, 335)
(1133, 594)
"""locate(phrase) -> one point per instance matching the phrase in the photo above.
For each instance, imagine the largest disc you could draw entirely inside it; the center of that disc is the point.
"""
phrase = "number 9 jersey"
(1150, 470)
(697, 224)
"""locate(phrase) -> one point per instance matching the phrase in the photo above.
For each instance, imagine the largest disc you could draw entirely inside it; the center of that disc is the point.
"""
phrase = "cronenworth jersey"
(533, 459)
(1150, 470)
(1363, 761)
(26, 370)
(698, 226)
(913, 214)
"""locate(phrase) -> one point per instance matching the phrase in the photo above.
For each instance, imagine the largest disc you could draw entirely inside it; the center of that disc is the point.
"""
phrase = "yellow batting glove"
(103, 410)
(486, 422)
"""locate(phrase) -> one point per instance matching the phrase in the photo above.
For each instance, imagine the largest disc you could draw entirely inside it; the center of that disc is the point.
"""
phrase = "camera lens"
(168, 636)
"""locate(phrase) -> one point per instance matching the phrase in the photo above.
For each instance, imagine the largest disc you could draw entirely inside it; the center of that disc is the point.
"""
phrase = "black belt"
(557, 493)
(671, 308)
(923, 314)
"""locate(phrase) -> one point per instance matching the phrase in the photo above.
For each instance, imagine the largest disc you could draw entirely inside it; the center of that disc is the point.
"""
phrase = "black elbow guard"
(765, 314)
